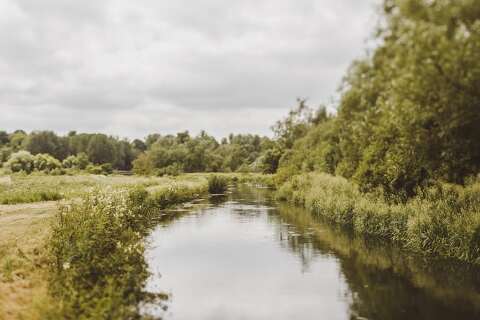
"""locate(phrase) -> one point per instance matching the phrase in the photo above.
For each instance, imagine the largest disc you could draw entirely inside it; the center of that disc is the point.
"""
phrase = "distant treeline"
(157, 154)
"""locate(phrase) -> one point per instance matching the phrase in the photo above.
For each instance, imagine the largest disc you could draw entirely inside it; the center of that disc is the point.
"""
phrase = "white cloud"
(134, 67)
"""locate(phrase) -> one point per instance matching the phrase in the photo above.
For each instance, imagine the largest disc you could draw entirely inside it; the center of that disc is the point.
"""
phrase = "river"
(245, 256)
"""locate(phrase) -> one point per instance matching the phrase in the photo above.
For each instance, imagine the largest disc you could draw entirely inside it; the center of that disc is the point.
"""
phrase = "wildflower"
(66, 265)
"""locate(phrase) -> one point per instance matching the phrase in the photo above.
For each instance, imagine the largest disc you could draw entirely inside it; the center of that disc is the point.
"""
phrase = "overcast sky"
(130, 68)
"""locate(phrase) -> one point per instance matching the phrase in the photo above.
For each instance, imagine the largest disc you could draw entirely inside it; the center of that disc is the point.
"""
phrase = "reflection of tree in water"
(383, 281)
(301, 242)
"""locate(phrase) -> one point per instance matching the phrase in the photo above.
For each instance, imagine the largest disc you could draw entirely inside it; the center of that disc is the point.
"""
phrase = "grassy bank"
(98, 270)
(443, 220)
(81, 257)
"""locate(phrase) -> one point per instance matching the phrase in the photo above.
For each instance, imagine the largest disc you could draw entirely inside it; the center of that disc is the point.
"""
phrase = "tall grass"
(442, 220)
(38, 187)
(98, 269)
(217, 184)
(28, 196)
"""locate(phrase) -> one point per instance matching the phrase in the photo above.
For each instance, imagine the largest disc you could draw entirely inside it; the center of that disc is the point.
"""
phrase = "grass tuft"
(217, 184)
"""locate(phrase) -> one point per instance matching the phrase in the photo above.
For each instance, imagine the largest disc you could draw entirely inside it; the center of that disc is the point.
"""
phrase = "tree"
(139, 145)
(46, 142)
(100, 149)
(4, 138)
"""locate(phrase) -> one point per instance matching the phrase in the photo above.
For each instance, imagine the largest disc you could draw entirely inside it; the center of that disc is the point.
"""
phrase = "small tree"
(142, 165)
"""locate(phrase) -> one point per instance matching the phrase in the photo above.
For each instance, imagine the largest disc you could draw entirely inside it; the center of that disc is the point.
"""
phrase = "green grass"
(217, 184)
(25, 196)
(443, 220)
(98, 269)
(38, 187)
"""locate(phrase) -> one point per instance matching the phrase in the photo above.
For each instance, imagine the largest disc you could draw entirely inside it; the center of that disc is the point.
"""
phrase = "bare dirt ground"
(24, 229)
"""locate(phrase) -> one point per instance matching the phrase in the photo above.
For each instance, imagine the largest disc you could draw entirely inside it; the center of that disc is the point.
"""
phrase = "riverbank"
(67, 249)
(98, 269)
(444, 220)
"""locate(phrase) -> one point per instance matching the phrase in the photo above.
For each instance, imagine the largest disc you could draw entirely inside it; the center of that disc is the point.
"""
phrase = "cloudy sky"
(130, 68)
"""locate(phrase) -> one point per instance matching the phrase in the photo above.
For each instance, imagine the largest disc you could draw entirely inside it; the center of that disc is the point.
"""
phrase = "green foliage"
(171, 155)
(442, 219)
(408, 113)
(97, 252)
(171, 170)
(269, 161)
(80, 161)
(46, 163)
(24, 161)
(217, 184)
(20, 161)
(105, 169)
(29, 196)
(297, 123)
(142, 165)
(100, 149)
(5, 153)
(4, 138)
(46, 142)
(16, 139)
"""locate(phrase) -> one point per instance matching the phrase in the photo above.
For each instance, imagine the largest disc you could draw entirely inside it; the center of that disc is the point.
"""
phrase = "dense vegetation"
(400, 159)
(408, 112)
(441, 220)
(168, 154)
(203, 153)
(98, 269)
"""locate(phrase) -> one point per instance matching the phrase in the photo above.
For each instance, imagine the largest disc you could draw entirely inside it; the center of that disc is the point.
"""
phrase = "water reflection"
(248, 257)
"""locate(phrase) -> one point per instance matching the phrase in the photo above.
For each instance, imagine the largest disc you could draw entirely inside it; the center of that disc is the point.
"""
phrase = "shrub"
(171, 170)
(217, 184)
(142, 165)
(46, 163)
(80, 161)
(97, 252)
(105, 169)
(5, 153)
(20, 161)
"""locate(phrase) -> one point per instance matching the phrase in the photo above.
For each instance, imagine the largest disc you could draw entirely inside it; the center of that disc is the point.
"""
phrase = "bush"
(142, 165)
(98, 267)
(45, 163)
(217, 184)
(20, 161)
(5, 153)
(104, 169)
(171, 170)
(80, 161)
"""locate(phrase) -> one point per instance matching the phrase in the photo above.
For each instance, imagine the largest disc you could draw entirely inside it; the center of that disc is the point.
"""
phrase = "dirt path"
(24, 229)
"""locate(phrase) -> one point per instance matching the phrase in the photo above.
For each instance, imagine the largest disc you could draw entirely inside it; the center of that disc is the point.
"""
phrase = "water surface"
(247, 257)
